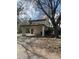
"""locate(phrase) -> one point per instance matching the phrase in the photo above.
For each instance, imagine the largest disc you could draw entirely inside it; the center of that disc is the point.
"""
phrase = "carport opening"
(32, 31)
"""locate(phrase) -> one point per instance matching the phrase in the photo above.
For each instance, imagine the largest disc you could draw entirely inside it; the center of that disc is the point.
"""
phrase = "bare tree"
(50, 8)
(19, 7)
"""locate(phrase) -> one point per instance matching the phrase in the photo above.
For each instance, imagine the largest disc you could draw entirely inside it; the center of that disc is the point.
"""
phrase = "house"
(35, 27)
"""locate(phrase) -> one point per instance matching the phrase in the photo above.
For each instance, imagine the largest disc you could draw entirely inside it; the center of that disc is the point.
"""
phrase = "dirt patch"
(46, 48)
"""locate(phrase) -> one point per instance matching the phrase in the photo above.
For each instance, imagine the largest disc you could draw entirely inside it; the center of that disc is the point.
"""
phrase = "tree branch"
(43, 8)
(59, 19)
(56, 5)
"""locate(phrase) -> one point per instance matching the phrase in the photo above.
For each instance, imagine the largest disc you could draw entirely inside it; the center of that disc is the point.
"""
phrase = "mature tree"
(19, 10)
(51, 8)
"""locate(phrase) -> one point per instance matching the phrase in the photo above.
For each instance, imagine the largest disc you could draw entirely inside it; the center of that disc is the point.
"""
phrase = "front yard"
(38, 48)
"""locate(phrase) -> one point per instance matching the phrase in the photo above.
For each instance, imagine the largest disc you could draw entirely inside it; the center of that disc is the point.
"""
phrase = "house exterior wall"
(45, 22)
(38, 22)
(37, 27)
(36, 30)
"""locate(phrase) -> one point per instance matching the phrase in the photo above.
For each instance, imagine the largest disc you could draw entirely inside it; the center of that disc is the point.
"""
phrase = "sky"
(30, 10)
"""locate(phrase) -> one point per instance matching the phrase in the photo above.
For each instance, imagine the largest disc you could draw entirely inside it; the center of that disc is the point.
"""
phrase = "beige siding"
(38, 22)
(36, 29)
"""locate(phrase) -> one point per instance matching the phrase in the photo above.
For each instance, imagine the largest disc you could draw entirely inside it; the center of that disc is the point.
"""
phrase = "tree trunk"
(56, 27)
(56, 32)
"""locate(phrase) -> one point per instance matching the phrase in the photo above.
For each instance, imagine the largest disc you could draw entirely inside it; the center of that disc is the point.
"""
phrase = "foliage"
(49, 31)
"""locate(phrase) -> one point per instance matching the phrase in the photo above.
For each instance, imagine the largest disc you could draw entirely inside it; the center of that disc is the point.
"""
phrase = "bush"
(48, 32)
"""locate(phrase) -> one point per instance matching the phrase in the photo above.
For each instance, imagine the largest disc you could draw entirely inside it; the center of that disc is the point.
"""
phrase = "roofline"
(37, 20)
(24, 25)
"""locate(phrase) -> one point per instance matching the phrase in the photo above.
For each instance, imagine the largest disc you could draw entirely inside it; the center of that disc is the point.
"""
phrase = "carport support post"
(23, 31)
(30, 30)
(43, 30)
